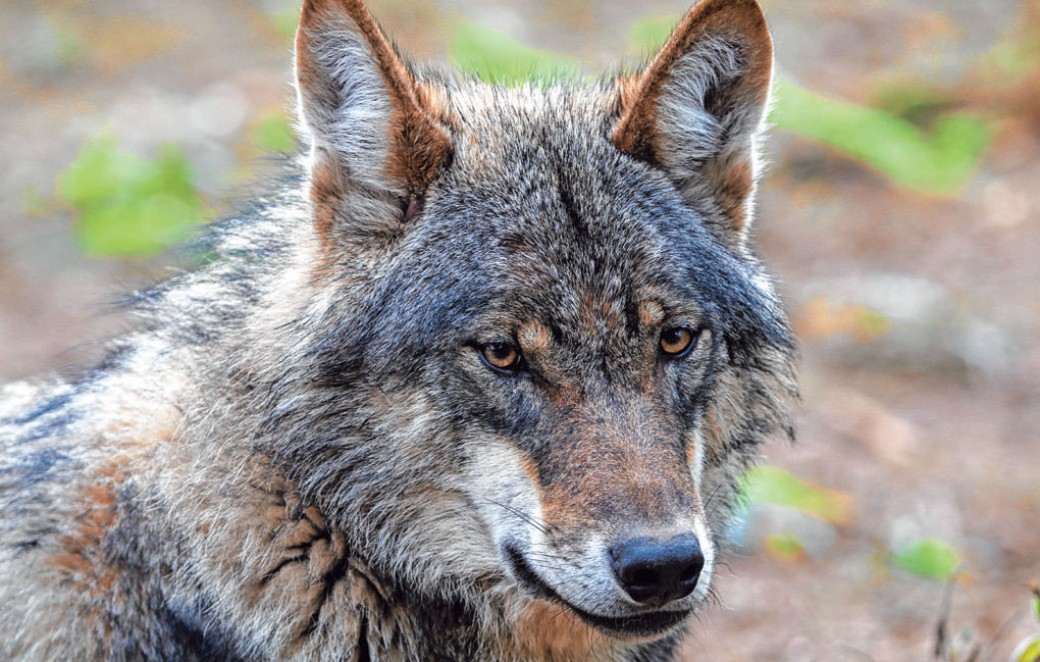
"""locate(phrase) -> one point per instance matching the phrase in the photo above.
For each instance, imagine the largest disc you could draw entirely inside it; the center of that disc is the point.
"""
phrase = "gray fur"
(288, 461)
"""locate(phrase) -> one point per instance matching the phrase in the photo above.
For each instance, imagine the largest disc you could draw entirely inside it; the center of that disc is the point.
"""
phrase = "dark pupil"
(673, 336)
(501, 352)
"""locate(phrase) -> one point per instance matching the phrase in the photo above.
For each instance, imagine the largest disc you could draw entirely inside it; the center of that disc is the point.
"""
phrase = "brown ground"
(930, 427)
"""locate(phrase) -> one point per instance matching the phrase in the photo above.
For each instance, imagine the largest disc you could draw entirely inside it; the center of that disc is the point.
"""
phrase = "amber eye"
(677, 341)
(502, 356)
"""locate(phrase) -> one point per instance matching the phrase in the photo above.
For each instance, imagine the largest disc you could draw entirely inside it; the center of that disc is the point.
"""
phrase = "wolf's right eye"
(677, 341)
(502, 356)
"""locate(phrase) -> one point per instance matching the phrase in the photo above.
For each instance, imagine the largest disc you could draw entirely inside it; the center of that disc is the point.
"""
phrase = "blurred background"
(901, 215)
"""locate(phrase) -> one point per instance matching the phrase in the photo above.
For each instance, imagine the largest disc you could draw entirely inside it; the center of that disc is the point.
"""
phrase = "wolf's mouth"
(652, 624)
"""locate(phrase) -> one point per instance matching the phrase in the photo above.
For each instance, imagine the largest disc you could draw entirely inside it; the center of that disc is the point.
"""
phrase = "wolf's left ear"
(697, 109)
(376, 134)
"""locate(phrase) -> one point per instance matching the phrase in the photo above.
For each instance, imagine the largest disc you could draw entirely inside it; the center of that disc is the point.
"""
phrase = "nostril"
(641, 577)
(691, 572)
(656, 572)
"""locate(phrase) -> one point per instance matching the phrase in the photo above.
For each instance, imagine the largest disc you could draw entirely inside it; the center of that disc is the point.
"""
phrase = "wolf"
(477, 386)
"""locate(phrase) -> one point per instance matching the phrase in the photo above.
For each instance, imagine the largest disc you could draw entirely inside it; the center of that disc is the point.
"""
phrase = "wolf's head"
(547, 349)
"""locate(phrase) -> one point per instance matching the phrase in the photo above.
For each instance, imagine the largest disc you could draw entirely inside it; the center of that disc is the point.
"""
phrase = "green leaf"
(495, 57)
(785, 546)
(1028, 650)
(931, 558)
(777, 487)
(274, 133)
(127, 205)
(939, 161)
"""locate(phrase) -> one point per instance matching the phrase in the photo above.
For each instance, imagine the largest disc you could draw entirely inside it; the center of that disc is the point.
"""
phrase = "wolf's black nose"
(655, 572)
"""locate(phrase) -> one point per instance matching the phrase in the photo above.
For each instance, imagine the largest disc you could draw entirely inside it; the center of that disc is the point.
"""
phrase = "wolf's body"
(325, 443)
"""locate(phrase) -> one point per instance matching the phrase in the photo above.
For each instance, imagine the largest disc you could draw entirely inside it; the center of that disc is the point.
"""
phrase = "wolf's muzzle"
(647, 624)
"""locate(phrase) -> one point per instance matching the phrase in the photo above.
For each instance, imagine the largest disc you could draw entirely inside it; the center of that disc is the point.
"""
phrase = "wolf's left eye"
(677, 341)
(502, 356)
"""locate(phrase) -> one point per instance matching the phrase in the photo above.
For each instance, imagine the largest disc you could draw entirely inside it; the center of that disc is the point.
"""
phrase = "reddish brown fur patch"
(550, 632)
(82, 557)
(691, 449)
(533, 337)
(713, 437)
(598, 312)
(618, 465)
(309, 562)
(732, 182)
(636, 132)
(81, 550)
(327, 195)
(434, 100)
(651, 314)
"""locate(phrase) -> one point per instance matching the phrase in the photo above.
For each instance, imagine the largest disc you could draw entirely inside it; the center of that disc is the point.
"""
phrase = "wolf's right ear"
(698, 107)
(373, 130)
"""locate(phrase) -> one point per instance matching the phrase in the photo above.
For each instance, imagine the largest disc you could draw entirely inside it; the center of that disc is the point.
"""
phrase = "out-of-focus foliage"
(648, 34)
(274, 133)
(785, 547)
(1017, 58)
(931, 558)
(285, 19)
(938, 161)
(127, 205)
(771, 485)
(822, 318)
(495, 57)
(1028, 650)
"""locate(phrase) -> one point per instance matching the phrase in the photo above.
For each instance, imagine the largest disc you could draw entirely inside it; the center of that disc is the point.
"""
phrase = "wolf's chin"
(637, 627)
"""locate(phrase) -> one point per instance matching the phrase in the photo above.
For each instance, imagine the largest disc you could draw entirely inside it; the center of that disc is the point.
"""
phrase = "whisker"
(711, 497)
(542, 527)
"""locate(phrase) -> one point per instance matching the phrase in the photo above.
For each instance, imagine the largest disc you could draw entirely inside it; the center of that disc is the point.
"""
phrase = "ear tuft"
(698, 107)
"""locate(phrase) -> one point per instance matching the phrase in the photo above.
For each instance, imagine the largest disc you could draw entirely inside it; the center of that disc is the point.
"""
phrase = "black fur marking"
(660, 650)
(51, 406)
(145, 623)
(198, 640)
(363, 653)
(38, 467)
(570, 206)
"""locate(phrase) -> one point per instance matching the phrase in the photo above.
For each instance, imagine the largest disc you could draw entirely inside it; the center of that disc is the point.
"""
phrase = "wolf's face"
(584, 371)
(577, 314)
(556, 296)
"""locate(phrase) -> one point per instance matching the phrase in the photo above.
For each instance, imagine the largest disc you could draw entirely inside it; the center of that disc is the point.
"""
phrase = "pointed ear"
(374, 130)
(697, 109)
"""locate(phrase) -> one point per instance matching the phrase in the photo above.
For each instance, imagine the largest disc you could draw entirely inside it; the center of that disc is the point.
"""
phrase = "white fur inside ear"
(708, 132)
(346, 108)
(691, 133)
